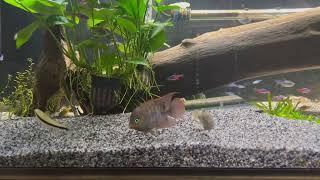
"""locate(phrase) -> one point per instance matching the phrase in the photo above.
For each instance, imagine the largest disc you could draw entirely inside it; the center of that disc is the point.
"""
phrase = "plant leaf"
(127, 24)
(74, 19)
(158, 1)
(48, 120)
(93, 22)
(91, 43)
(158, 28)
(162, 8)
(139, 61)
(97, 13)
(135, 8)
(58, 20)
(157, 41)
(24, 34)
(44, 7)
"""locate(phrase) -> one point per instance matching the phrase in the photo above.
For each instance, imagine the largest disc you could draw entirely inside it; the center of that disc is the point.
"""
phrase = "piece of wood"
(215, 101)
(285, 44)
(50, 70)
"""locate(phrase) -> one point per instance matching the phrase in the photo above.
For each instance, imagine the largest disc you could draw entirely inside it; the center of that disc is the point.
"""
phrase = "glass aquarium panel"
(160, 83)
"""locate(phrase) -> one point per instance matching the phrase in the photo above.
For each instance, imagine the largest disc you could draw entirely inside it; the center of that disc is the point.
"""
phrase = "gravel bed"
(241, 137)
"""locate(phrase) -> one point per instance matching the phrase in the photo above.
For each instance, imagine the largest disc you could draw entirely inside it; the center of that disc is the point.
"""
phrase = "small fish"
(1, 57)
(157, 113)
(262, 91)
(257, 81)
(205, 118)
(304, 90)
(236, 85)
(285, 83)
(175, 77)
(279, 97)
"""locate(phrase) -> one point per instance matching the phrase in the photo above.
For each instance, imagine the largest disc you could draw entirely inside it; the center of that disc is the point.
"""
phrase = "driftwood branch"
(285, 44)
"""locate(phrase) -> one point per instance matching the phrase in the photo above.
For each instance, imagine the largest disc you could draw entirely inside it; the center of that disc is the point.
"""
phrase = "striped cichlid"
(156, 113)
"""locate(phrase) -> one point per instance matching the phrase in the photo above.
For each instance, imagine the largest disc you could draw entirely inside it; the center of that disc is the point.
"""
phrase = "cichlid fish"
(157, 113)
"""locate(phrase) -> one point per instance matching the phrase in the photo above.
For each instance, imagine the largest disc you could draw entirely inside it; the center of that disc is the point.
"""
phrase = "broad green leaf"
(91, 43)
(135, 8)
(158, 28)
(109, 59)
(60, 2)
(48, 120)
(114, 30)
(93, 22)
(162, 8)
(126, 24)
(44, 7)
(130, 6)
(24, 34)
(121, 47)
(157, 41)
(97, 13)
(74, 19)
(58, 20)
(139, 61)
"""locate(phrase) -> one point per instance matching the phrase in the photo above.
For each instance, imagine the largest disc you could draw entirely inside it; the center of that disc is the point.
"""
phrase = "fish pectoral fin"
(169, 121)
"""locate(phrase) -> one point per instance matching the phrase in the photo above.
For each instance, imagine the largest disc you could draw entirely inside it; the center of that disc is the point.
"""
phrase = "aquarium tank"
(100, 87)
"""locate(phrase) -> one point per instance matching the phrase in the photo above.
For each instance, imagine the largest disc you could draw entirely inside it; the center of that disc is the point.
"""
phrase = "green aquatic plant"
(285, 108)
(113, 40)
(19, 101)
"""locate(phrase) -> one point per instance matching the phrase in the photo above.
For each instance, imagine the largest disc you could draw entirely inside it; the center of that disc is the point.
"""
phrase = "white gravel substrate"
(241, 138)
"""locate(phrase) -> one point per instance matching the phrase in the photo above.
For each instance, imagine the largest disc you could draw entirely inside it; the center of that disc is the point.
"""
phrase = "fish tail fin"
(177, 107)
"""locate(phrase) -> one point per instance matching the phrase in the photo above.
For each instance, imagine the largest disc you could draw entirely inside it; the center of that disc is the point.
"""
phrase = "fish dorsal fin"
(165, 101)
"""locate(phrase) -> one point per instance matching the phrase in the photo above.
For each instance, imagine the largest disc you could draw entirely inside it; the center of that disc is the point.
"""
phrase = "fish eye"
(137, 120)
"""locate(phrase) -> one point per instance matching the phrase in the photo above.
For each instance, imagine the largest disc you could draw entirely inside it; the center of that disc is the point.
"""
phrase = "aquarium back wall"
(12, 20)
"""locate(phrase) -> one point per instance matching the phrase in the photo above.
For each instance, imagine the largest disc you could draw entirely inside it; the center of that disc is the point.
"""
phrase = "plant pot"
(103, 94)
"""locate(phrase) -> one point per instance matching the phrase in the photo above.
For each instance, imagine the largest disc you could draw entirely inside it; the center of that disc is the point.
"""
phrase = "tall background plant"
(110, 39)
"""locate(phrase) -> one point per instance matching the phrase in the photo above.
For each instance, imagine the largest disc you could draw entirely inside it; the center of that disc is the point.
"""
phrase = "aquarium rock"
(241, 137)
